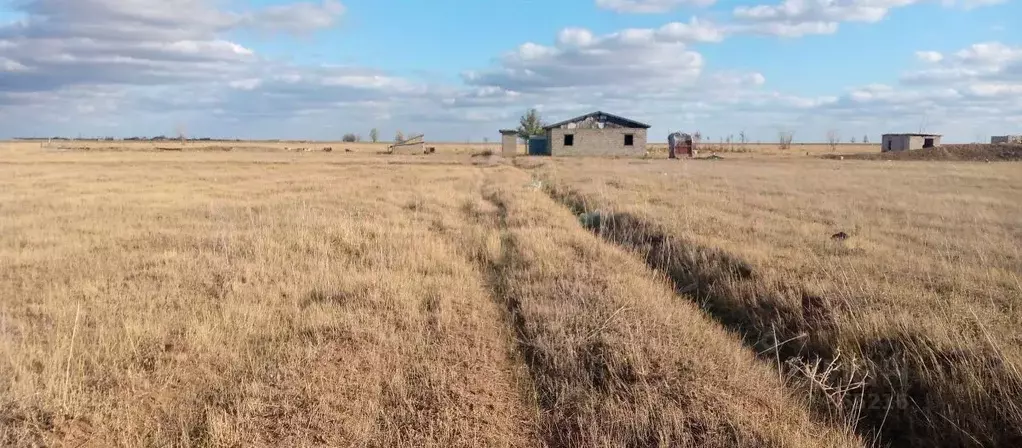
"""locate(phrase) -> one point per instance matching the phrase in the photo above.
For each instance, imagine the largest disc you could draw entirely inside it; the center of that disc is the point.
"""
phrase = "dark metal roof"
(621, 120)
(911, 134)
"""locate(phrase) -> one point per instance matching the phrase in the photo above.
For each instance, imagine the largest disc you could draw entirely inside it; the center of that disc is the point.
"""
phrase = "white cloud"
(245, 84)
(149, 65)
(796, 18)
(782, 29)
(649, 6)
(631, 59)
(989, 54)
(799, 17)
(980, 62)
(87, 42)
(929, 56)
(297, 17)
(10, 65)
(971, 4)
(974, 90)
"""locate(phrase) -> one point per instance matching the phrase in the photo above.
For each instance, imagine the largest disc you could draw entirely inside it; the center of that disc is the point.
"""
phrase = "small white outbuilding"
(907, 142)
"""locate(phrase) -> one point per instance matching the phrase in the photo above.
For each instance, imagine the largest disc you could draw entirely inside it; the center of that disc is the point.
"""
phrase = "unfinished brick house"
(596, 134)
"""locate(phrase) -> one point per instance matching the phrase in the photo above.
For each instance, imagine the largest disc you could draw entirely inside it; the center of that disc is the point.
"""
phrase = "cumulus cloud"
(983, 62)
(649, 6)
(629, 59)
(793, 18)
(976, 89)
(143, 66)
(796, 18)
(85, 42)
(90, 63)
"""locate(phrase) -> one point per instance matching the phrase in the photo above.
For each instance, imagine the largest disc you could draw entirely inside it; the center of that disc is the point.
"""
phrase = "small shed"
(1006, 140)
(908, 142)
(508, 142)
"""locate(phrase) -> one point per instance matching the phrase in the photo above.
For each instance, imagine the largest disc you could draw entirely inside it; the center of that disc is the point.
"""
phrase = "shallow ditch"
(897, 391)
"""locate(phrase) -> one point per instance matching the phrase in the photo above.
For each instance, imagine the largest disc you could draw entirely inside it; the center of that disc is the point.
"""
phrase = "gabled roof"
(611, 117)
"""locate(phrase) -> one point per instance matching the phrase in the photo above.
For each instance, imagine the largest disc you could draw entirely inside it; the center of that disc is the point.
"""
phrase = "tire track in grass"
(613, 358)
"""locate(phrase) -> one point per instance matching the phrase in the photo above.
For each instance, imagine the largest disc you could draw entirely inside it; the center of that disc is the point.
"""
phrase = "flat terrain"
(960, 153)
(272, 298)
(893, 289)
(748, 150)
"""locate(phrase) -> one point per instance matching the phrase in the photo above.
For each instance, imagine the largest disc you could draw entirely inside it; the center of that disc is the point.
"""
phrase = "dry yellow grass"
(918, 311)
(274, 299)
(655, 150)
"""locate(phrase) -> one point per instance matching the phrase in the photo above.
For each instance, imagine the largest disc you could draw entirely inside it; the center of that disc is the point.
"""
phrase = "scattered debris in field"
(411, 146)
(840, 236)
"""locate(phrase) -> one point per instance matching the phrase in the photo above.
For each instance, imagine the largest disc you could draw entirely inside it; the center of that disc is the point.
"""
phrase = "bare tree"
(374, 135)
(697, 137)
(852, 140)
(833, 138)
(865, 138)
(784, 139)
(743, 139)
(399, 136)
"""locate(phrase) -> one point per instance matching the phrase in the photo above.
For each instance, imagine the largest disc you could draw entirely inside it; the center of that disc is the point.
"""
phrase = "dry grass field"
(656, 150)
(274, 299)
(259, 297)
(909, 326)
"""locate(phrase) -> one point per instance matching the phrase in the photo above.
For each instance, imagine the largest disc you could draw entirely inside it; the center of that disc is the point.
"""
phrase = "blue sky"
(460, 70)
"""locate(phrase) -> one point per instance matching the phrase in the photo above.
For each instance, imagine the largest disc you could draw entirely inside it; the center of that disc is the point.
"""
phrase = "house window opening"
(629, 140)
(569, 140)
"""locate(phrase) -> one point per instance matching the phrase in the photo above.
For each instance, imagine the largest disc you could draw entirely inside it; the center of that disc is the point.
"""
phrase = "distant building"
(596, 134)
(1006, 139)
(508, 142)
(907, 142)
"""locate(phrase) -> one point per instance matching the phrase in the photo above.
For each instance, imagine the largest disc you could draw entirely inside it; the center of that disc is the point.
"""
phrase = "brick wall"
(598, 142)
